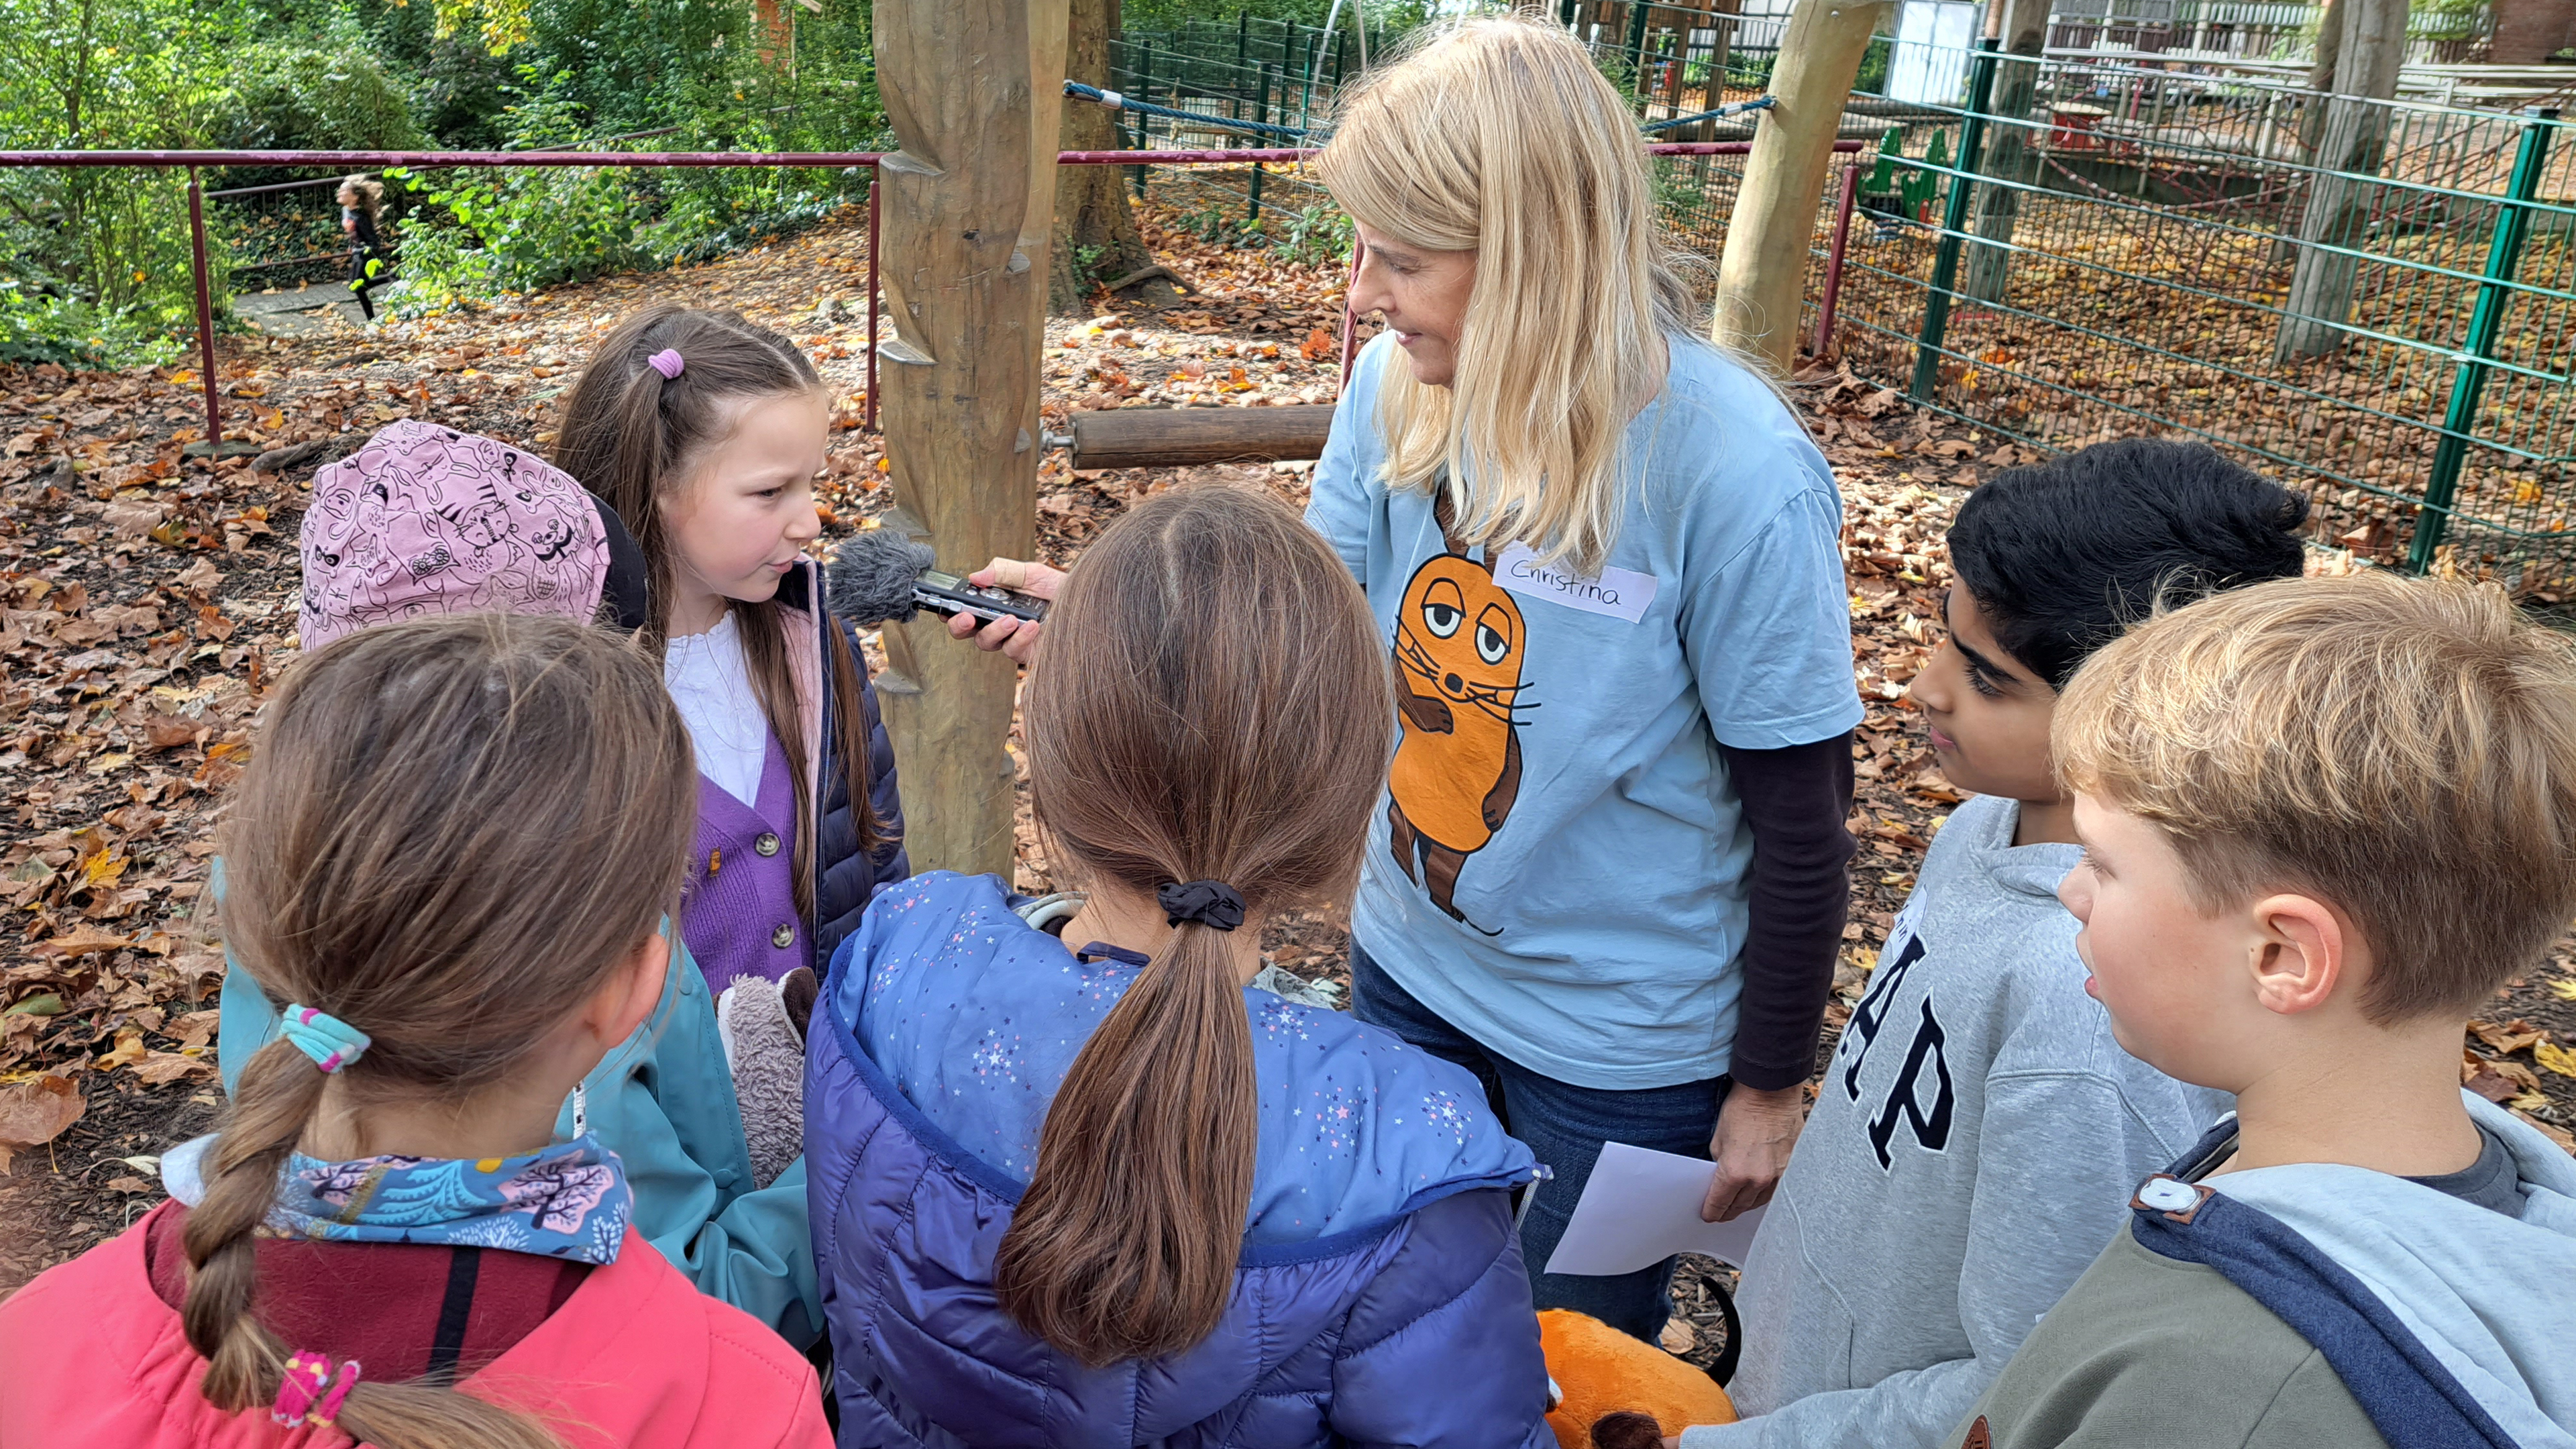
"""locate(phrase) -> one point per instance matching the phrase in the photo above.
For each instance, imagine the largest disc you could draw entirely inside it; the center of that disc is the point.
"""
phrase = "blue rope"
(1116, 102)
(1739, 108)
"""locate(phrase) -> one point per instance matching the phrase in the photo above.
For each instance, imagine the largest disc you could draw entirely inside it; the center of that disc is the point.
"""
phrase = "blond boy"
(2323, 820)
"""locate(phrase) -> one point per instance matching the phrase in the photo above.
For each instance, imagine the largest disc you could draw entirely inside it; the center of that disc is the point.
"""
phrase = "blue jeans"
(1565, 1126)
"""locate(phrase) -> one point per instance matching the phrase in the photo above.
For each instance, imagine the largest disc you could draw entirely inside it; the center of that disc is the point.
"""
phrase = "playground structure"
(2090, 247)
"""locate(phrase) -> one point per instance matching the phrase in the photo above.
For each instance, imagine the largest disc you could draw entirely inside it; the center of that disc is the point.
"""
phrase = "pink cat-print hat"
(427, 520)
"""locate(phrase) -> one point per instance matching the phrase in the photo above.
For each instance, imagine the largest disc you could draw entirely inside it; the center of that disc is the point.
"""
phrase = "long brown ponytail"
(632, 437)
(1212, 705)
(452, 830)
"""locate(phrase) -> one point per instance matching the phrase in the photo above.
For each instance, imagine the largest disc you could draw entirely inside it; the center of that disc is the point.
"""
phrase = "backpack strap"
(2412, 1400)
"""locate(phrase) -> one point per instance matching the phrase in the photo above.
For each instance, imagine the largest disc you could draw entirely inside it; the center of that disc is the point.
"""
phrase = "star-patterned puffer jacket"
(1380, 1297)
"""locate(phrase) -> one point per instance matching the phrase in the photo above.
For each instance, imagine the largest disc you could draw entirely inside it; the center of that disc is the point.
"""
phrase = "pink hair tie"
(309, 1393)
(326, 1412)
(307, 1374)
(668, 362)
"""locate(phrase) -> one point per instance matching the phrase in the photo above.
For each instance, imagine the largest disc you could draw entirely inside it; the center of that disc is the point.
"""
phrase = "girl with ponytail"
(452, 854)
(1079, 1181)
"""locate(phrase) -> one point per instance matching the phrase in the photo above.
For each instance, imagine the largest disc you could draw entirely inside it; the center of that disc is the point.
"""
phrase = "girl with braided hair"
(453, 855)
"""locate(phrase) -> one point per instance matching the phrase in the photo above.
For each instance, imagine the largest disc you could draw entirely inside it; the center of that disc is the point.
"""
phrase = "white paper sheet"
(1641, 1207)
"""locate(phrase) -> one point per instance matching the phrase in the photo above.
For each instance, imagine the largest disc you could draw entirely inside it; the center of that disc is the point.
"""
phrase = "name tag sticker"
(1619, 593)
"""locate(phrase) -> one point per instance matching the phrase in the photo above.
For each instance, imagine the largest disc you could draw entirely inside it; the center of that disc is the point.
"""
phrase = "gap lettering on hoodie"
(1930, 1121)
(1932, 1127)
(1872, 1013)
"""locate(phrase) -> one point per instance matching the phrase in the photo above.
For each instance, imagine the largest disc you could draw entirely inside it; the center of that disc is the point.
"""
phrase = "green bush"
(1319, 233)
(289, 97)
(99, 259)
(486, 232)
(750, 106)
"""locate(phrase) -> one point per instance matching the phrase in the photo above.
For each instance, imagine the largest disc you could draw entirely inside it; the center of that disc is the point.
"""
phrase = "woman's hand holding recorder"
(1014, 637)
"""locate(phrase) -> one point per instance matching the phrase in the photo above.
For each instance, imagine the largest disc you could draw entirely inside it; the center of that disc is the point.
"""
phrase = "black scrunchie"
(1207, 902)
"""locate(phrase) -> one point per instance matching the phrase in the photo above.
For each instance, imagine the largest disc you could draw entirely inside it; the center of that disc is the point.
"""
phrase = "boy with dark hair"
(2322, 822)
(1978, 1128)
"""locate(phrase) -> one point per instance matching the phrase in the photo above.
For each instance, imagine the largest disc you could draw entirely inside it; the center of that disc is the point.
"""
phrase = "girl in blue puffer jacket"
(1088, 1186)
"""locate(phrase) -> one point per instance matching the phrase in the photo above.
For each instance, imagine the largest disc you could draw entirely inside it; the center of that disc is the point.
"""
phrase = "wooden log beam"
(1762, 275)
(960, 380)
(1177, 437)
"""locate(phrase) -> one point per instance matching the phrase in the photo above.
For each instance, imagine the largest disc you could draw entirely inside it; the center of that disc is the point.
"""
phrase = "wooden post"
(961, 384)
(1050, 25)
(1762, 275)
(2349, 153)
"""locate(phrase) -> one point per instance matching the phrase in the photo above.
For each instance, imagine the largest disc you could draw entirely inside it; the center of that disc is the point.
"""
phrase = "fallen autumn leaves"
(149, 603)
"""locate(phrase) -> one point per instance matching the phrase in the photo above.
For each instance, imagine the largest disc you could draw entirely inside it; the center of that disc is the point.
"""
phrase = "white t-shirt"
(711, 684)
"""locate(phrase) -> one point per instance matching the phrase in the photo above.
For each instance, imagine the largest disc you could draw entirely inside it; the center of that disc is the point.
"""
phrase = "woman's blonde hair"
(1213, 704)
(452, 831)
(1497, 135)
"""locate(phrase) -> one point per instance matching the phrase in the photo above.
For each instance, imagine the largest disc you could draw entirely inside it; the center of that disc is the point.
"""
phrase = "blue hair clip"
(329, 1041)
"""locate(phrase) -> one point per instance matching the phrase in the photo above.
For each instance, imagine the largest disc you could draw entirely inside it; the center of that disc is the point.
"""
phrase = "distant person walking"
(370, 261)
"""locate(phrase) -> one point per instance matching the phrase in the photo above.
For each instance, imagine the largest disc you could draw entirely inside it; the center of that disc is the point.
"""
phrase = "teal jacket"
(664, 1102)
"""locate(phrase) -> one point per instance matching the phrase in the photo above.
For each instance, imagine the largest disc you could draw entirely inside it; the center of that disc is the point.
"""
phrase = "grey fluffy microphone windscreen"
(870, 578)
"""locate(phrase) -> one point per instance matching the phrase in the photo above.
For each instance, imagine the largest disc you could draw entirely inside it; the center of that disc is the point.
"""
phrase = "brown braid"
(452, 831)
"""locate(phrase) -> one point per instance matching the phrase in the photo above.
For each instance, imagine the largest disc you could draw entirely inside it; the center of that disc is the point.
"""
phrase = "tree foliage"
(98, 259)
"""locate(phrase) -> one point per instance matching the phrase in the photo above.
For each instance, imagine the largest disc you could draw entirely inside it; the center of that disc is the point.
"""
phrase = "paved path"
(301, 312)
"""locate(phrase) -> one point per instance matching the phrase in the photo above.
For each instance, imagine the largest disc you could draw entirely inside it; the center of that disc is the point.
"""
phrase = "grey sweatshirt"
(1973, 1149)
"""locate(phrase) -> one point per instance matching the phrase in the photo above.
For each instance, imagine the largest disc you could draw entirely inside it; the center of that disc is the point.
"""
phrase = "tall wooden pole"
(1762, 275)
(964, 299)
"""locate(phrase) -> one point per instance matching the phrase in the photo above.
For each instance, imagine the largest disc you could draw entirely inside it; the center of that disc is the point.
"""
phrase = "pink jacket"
(637, 1358)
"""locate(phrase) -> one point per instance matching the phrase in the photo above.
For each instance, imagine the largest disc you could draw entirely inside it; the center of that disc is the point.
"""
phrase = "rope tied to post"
(1760, 103)
(1117, 102)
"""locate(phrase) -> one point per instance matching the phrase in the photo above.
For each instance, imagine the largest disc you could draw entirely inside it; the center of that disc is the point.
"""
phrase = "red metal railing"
(435, 160)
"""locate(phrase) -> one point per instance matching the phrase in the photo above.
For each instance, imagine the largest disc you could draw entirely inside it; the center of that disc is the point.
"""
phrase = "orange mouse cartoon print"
(1459, 647)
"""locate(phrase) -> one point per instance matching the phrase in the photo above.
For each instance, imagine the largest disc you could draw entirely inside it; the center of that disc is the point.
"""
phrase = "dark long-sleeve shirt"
(1795, 803)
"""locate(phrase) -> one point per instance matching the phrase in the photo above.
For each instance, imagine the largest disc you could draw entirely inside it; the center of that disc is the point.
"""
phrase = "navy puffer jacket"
(848, 876)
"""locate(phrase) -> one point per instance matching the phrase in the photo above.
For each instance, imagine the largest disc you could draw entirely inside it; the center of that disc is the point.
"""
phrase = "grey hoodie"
(2430, 1320)
(1974, 1146)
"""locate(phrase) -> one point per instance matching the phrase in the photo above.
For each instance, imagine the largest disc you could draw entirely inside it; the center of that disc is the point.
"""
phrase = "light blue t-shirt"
(1561, 869)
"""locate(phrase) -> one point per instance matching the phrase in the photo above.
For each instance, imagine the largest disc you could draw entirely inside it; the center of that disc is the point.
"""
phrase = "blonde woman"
(1609, 874)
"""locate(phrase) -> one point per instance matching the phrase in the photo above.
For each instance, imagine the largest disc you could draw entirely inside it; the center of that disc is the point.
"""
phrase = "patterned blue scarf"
(566, 1201)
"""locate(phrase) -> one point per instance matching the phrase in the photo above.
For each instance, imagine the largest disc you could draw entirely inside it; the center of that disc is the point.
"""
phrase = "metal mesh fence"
(2146, 250)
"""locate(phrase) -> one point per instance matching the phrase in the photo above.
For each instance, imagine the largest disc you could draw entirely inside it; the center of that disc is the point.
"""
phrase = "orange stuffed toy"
(1617, 1392)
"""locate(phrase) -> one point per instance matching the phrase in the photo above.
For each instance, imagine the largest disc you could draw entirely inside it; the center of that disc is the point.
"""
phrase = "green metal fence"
(1246, 68)
(1286, 76)
(1677, 59)
(2092, 249)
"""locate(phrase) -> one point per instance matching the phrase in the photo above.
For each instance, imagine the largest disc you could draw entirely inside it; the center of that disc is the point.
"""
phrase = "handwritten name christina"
(1563, 583)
